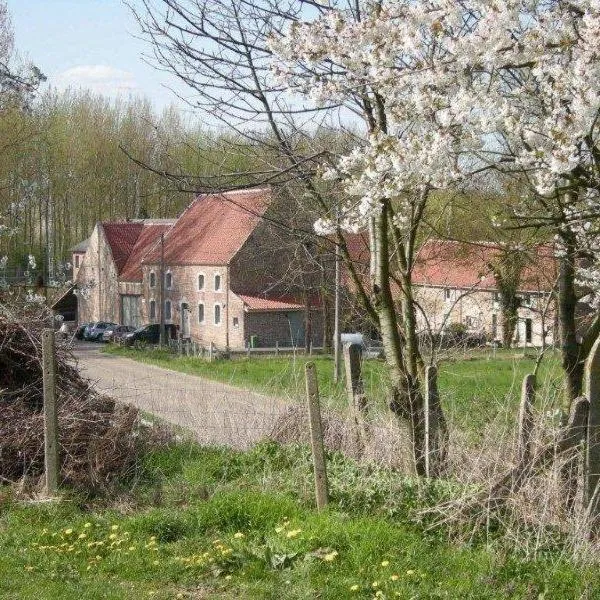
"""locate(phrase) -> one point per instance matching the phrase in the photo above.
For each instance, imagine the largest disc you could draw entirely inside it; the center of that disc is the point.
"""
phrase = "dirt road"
(214, 412)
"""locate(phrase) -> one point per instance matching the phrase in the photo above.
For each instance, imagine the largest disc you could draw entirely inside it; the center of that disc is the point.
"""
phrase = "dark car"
(94, 331)
(148, 334)
(115, 334)
(80, 331)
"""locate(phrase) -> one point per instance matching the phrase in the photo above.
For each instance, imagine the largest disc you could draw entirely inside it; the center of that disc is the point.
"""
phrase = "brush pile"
(99, 439)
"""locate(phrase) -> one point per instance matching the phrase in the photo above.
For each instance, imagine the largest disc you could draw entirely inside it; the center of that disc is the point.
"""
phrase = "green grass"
(215, 523)
(476, 388)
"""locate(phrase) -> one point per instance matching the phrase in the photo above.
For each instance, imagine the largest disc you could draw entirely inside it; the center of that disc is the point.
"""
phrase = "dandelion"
(114, 527)
(375, 584)
(68, 531)
(155, 563)
(239, 535)
(131, 548)
(410, 572)
(385, 563)
(227, 577)
(330, 557)
(354, 588)
(293, 533)
(112, 536)
(378, 594)
(29, 568)
(87, 525)
(82, 536)
(394, 577)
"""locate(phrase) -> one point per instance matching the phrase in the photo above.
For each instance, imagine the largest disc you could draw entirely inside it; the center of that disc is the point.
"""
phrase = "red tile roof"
(462, 265)
(269, 304)
(121, 237)
(213, 228)
(132, 271)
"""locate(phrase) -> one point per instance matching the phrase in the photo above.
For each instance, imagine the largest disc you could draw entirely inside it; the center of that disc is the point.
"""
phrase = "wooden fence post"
(354, 383)
(525, 425)
(276, 348)
(316, 435)
(50, 412)
(592, 459)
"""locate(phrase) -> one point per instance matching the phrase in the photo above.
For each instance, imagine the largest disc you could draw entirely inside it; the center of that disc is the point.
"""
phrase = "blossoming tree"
(453, 88)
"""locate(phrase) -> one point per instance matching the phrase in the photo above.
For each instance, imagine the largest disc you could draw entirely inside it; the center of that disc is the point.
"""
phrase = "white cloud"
(101, 79)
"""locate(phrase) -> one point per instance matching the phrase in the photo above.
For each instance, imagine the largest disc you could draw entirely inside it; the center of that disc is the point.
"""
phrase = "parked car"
(94, 331)
(80, 331)
(116, 334)
(149, 334)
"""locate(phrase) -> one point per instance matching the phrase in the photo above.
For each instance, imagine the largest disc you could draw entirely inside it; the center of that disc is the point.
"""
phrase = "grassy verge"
(214, 523)
(476, 387)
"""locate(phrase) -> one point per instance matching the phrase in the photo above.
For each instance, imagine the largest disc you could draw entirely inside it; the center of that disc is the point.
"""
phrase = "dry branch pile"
(99, 439)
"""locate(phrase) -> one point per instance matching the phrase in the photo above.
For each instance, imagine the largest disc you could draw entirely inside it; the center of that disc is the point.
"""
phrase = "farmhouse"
(455, 284)
(223, 265)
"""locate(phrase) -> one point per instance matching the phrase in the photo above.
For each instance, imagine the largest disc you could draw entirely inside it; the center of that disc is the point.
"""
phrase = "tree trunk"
(572, 361)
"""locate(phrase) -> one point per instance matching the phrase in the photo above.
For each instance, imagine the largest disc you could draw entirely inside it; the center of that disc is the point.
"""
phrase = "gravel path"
(216, 413)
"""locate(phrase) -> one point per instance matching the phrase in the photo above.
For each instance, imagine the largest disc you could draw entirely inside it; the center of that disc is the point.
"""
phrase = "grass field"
(476, 387)
(213, 523)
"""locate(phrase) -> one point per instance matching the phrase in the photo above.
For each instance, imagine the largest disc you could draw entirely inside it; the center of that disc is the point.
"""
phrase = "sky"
(90, 44)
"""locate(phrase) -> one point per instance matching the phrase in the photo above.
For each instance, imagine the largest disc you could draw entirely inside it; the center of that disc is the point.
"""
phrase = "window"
(217, 283)
(200, 313)
(200, 281)
(152, 279)
(528, 331)
(236, 322)
(168, 313)
(77, 261)
(470, 322)
(494, 326)
(527, 299)
(496, 297)
(169, 281)
(152, 315)
(446, 294)
(217, 314)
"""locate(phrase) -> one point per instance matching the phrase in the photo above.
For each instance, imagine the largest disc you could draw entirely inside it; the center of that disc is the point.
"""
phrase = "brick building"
(455, 284)
(224, 266)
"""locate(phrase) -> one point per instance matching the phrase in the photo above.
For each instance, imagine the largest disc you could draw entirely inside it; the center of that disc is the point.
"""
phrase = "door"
(130, 310)
(185, 320)
(296, 324)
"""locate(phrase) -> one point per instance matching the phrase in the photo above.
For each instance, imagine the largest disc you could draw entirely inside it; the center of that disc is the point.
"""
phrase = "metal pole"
(162, 290)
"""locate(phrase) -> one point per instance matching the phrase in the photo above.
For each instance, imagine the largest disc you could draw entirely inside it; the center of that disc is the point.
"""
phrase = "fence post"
(316, 435)
(525, 425)
(276, 348)
(354, 383)
(592, 459)
(50, 412)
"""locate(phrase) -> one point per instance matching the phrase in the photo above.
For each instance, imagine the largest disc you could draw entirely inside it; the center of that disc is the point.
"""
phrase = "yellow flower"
(82, 536)
(394, 578)
(279, 529)
(228, 577)
(87, 525)
(238, 535)
(131, 548)
(330, 557)
(293, 533)
(155, 563)
(375, 584)
(354, 588)
(112, 536)
(410, 572)
(385, 563)
(114, 527)
(29, 568)
(68, 531)
(378, 594)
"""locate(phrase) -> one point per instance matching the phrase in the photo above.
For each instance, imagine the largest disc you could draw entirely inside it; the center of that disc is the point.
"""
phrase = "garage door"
(130, 310)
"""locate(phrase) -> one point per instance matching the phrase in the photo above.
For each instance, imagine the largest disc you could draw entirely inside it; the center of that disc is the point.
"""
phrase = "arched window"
(217, 314)
(200, 313)
(217, 283)
(200, 281)
(152, 311)
(169, 281)
(152, 279)
(168, 313)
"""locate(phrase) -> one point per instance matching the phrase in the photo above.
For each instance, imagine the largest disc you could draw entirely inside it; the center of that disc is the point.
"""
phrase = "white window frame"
(201, 289)
(168, 274)
(152, 317)
(200, 322)
(220, 282)
(168, 317)
(150, 284)
(215, 306)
